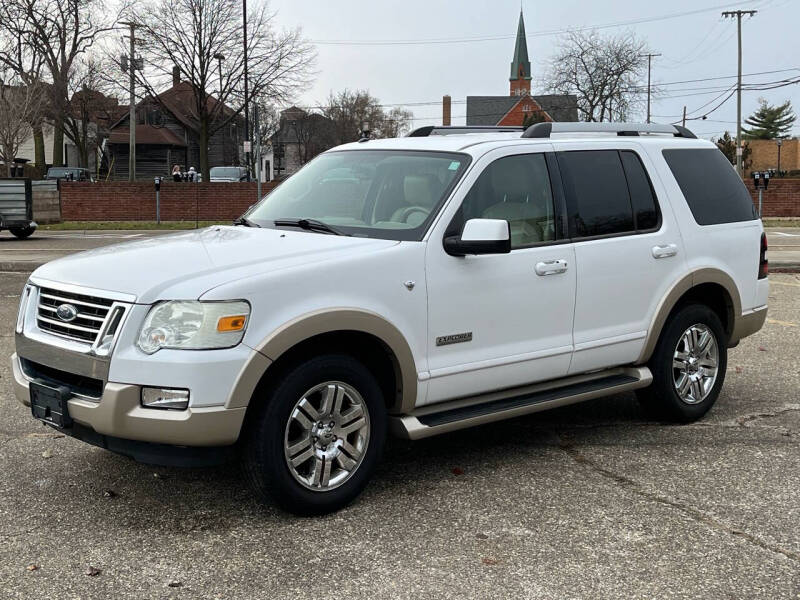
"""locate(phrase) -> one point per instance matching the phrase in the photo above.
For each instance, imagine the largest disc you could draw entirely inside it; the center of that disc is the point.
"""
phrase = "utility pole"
(649, 56)
(246, 94)
(739, 14)
(684, 116)
(131, 64)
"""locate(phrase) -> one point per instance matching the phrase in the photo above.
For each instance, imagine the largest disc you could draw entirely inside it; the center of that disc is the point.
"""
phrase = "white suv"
(414, 286)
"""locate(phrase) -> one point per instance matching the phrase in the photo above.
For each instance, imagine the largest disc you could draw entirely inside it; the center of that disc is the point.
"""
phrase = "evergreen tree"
(770, 122)
(727, 146)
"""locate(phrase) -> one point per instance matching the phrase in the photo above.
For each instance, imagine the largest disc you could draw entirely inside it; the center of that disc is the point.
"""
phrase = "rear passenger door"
(628, 251)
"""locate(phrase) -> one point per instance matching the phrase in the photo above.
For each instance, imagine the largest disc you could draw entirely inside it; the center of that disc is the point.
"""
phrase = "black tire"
(22, 232)
(661, 398)
(264, 463)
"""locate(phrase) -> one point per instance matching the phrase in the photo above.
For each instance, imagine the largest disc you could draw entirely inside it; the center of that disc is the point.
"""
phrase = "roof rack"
(545, 130)
(429, 130)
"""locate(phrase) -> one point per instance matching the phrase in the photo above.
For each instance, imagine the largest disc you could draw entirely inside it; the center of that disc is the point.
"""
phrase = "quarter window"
(714, 192)
(515, 189)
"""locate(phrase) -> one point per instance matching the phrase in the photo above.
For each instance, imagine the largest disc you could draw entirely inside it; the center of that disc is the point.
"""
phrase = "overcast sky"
(696, 43)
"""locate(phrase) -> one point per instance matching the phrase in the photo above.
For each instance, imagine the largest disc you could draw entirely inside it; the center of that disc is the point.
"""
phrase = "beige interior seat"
(516, 202)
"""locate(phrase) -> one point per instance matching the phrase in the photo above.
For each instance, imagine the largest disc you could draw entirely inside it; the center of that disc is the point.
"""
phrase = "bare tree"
(19, 56)
(193, 34)
(607, 74)
(58, 32)
(350, 109)
(90, 111)
(19, 105)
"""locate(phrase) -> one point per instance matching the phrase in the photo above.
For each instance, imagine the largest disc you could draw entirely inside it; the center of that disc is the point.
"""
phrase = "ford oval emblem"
(67, 312)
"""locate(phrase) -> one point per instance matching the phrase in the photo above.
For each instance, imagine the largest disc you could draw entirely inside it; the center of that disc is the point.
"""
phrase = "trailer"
(16, 207)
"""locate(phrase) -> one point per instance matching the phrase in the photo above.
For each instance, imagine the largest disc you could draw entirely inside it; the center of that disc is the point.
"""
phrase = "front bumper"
(119, 414)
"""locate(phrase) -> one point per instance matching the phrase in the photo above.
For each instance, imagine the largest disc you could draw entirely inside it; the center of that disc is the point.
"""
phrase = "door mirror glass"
(480, 236)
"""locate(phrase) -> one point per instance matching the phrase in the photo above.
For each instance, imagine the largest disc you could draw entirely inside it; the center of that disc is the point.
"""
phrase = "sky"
(426, 49)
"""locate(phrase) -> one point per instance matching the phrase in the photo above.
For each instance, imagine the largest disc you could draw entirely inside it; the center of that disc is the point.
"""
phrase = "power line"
(739, 14)
(542, 33)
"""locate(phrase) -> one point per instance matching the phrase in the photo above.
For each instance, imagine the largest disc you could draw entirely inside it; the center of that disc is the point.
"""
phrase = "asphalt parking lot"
(588, 501)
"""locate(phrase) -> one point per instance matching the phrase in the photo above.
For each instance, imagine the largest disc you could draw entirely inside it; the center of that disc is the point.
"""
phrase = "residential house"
(165, 127)
(301, 135)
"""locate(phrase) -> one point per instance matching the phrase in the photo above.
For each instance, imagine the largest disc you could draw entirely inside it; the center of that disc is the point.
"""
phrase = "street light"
(779, 141)
(219, 58)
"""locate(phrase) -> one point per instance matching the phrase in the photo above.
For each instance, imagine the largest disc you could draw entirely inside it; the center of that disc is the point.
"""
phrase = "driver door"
(502, 320)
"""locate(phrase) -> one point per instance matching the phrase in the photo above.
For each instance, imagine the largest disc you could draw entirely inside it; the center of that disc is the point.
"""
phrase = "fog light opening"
(165, 398)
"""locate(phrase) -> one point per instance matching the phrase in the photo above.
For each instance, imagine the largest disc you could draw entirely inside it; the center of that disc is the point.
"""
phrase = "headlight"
(193, 325)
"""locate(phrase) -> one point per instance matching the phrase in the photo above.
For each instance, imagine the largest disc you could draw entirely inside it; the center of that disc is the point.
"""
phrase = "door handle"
(550, 267)
(664, 251)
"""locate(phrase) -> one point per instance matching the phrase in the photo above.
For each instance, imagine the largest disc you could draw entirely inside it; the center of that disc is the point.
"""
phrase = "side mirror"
(480, 236)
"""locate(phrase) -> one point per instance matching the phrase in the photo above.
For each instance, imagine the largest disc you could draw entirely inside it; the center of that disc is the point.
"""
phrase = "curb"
(20, 266)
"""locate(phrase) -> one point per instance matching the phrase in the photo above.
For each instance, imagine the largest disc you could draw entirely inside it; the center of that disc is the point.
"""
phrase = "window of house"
(515, 189)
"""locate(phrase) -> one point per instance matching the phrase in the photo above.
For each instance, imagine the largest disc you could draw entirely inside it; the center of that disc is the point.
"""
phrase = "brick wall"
(122, 201)
(781, 199)
(765, 155)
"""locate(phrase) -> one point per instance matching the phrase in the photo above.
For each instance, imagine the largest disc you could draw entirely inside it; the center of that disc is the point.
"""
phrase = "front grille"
(77, 384)
(85, 327)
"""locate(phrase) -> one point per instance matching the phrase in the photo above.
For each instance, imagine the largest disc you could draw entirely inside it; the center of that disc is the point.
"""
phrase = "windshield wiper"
(309, 225)
(245, 222)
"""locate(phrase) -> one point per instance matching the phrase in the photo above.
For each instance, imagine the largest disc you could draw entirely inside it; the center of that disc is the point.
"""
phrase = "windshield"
(384, 194)
(226, 172)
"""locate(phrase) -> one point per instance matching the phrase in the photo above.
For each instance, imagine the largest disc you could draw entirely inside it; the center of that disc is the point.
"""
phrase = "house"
(301, 135)
(520, 106)
(91, 114)
(165, 127)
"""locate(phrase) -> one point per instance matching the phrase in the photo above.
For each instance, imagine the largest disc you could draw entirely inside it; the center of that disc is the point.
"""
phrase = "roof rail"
(545, 130)
(429, 130)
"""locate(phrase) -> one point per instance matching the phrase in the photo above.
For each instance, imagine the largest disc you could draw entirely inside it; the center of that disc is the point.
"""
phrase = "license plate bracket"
(49, 404)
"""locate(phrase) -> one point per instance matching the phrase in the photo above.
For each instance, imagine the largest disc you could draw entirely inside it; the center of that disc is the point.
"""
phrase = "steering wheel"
(402, 215)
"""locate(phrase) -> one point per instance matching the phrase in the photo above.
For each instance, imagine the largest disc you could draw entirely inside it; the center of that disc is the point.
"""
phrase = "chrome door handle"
(550, 267)
(664, 251)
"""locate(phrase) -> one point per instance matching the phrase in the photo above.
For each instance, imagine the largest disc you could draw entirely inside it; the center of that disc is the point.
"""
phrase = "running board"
(496, 406)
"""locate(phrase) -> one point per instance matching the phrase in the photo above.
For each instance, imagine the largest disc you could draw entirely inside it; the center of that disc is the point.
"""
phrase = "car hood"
(185, 265)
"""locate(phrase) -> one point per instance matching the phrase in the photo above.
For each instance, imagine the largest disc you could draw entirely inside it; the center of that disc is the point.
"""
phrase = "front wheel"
(688, 365)
(22, 232)
(318, 435)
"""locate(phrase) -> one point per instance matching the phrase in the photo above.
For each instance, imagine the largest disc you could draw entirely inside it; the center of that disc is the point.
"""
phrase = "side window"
(645, 209)
(515, 189)
(597, 192)
(714, 192)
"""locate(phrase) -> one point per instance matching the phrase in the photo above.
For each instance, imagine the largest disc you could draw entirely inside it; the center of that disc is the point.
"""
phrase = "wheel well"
(715, 297)
(365, 347)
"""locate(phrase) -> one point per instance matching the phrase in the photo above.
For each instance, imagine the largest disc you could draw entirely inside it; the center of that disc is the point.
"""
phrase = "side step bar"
(496, 406)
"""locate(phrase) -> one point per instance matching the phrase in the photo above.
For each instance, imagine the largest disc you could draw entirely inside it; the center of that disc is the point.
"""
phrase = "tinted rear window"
(598, 192)
(712, 189)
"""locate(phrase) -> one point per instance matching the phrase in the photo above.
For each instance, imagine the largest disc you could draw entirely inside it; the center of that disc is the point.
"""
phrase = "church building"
(520, 107)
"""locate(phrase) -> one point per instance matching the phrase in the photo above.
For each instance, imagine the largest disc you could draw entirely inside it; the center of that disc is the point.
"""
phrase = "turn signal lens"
(235, 323)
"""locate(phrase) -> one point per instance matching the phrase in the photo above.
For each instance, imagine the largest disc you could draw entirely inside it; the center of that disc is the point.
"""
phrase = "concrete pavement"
(589, 501)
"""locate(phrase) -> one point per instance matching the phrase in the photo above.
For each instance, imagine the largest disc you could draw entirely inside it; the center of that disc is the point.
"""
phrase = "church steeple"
(520, 66)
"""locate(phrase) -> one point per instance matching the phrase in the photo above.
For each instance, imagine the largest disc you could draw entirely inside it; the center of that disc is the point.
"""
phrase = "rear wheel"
(22, 232)
(688, 365)
(318, 436)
